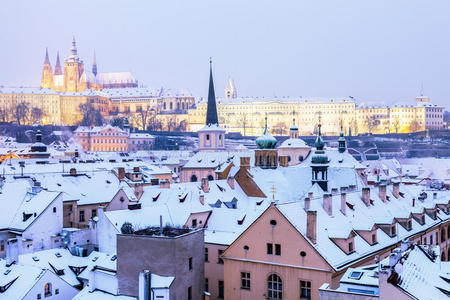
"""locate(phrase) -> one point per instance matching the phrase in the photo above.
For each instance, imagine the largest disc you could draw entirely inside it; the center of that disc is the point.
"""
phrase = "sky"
(379, 51)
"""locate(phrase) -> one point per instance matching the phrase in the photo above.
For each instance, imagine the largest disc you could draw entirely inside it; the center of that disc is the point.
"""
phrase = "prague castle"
(75, 78)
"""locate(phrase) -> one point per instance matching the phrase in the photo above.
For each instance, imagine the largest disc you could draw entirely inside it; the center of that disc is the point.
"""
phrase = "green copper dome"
(266, 140)
(319, 144)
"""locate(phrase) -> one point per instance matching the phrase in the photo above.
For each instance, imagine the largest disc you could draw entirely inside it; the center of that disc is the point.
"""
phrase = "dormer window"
(393, 231)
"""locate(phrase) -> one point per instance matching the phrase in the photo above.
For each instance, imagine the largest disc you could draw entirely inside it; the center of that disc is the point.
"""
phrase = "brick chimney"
(343, 202)
(307, 203)
(230, 181)
(396, 189)
(245, 163)
(284, 161)
(328, 203)
(121, 173)
(164, 184)
(311, 225)
(73, 172)
(205, 185)
(382, 192)
(366, 195)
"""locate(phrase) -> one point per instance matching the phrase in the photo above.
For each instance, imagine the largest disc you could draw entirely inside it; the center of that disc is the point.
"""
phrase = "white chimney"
(144, 285)
(12, 251)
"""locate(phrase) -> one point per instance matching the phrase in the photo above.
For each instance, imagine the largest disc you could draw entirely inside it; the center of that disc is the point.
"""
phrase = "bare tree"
(91, 115)
(36, 115)
(279, 128)
(3, 114)
(142, 116)
(20, 112)
(414, 125)
(396, 124)
(371, 123)
(172, 123)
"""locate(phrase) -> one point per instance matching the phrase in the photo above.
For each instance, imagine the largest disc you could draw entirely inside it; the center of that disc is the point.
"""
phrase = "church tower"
(293, 131)
(319, 163)
(94, 65)
(212, 136)
(73, 69)
(341, 142)
(58, 69)
(230, 90)
(47, 73)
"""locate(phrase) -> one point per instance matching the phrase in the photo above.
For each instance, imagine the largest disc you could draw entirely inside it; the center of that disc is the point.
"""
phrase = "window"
(206, 255)
(94, 213)
(190, 263)
(81, 215)
(277, 249)
(206, 285)
(393, 231)
(437, 238)
(425, 240)
(245, 280)
(207, 137)
(210, 177)
(194, 222)
(221, 288)
(220, 260)
(269, 248)
(305, 289)
(48, 289)
(274, 287)
(54, 209)
(374, 238)
(350, 247)
(2, 245)
(38, 296)
(193, 178)
(56, 291)
(431, 239)
(189, 289)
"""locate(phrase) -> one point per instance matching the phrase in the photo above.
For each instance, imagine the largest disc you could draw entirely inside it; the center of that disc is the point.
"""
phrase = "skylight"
(355, 275)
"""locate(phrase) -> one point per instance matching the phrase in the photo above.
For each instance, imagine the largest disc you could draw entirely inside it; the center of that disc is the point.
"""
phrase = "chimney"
(343, 202)
(311, 225)
(284, 161)
(382, 192)
(136, 169)
(351, 188)
(12, 252)
(245, 163)
(434, 195)
(205, 185)
(366, 195)
(396, 189)
(36, 187)
(334, 191)
(202, 198)
(307, 203)
(310, 195)
(138, 190)
(73, 172)
(328, 203)
(230, 181)
(164, 184)
(91, 281)
(121, 173)
(144, 285)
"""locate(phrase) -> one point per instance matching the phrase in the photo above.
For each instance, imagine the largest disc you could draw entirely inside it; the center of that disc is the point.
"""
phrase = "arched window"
(164, 105)
(300, 158)
(260, 160)
(48, 289)
(274, 287)
(268, 160)
(193, 178)
(443, 256)
(442, 235)
(210, 177)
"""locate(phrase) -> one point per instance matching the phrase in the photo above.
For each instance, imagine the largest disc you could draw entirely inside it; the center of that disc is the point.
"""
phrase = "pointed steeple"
(94, 65)
(58, 69)
(74, 47)
(211, 111)
(47, 60)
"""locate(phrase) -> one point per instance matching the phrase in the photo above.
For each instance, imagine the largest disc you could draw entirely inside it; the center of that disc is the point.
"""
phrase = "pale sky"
(376, 51)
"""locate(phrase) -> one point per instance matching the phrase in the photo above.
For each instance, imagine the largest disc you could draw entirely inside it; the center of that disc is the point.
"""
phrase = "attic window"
(114, 257)
(35, 258)
(355, 275)
(95, 258)
(7, 272)
(302, 253)
(108, 182)
(57, 254)
(273, 222)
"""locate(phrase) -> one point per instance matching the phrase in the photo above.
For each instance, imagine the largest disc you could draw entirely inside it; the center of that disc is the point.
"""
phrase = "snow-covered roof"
(99, 295)
(141, 136)
(212, 127)
(294, 143)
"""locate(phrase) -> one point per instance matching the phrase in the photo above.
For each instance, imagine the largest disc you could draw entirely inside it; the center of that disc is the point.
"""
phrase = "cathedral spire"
(211, 111)
(74, 47)
(58, 69)
(47, 60)
(94, 65)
